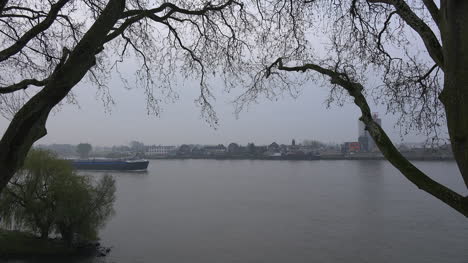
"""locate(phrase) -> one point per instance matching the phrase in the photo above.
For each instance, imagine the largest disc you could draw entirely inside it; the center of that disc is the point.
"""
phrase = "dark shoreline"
(16, 245)
(301, 158)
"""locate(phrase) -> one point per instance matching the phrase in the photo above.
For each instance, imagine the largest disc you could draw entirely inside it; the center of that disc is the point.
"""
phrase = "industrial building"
(364, 138)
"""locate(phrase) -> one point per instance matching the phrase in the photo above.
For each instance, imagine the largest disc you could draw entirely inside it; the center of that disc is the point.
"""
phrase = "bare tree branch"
(391, 153)
(28, 125)
(198, 38)
(176, 9)
(24, 84)
(427, 35)
(34, 31)
(433, 10)
(3, 3)
(134, 16)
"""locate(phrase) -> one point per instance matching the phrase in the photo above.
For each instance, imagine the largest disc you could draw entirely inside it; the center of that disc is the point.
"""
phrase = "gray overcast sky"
(303, 118)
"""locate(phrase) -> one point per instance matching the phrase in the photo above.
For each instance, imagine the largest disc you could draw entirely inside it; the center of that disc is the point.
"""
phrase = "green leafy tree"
(84, 149)
(83, 208)
(29, 201)
(47, 196)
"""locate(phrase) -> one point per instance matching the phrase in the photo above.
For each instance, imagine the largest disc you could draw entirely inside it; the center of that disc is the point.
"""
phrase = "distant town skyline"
(303, 118)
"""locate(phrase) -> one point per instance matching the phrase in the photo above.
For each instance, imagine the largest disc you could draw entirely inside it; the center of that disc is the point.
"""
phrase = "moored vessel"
(110, 164)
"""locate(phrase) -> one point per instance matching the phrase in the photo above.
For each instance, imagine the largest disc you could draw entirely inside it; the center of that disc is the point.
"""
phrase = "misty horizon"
(303, 118)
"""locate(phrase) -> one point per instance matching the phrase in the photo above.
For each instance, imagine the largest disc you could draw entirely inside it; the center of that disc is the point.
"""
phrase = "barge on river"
(110, 164)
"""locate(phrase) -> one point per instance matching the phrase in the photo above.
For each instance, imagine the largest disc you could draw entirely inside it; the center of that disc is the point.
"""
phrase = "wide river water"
(226, 211)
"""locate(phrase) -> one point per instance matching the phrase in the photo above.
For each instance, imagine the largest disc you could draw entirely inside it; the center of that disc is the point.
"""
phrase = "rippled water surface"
(203, 211)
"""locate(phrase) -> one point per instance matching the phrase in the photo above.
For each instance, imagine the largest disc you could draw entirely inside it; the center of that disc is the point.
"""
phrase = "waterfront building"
(364, 143)
(215, 150)
(160, 150)
(367, 144)
(274, 147)
(351, 147)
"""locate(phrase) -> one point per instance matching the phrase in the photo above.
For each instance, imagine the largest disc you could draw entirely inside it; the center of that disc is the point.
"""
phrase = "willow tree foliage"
(29, 200)
(48, 47)
(45, 196)
(408, 55)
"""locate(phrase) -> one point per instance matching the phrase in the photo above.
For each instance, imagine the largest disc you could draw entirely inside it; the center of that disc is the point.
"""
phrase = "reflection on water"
(371, 187)
(114, 172)
(282, 211)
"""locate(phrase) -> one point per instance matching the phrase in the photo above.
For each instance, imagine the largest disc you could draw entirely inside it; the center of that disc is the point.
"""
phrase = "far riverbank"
(334, 156)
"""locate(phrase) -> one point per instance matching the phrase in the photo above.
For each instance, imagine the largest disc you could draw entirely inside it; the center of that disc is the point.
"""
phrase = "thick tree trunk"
(67, 235)
(454, 31)
(28, 125)
(44, 233)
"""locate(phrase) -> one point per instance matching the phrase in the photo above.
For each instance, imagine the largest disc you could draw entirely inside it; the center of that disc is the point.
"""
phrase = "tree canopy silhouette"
(52, 45)
(407, 55)
(48, 47)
